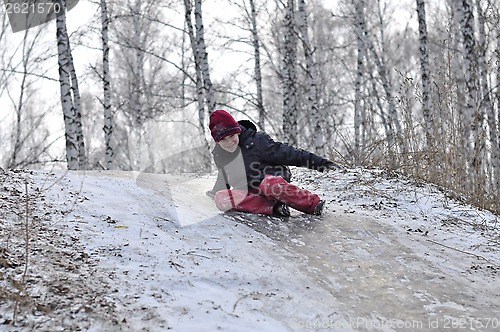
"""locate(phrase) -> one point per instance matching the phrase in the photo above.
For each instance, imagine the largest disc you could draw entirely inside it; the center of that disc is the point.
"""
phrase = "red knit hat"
(222, 124)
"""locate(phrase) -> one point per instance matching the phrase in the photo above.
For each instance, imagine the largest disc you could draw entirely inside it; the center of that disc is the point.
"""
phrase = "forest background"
(410, 86)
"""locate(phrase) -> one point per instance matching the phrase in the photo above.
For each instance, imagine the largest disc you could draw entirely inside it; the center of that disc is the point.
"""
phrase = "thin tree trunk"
(106, 81)
(290, 76)
(20, 105)
(486, 104)
(359, 6)
(311, 86)
(425, 72)
(82, 155)
(495, 136)
(389, 131)
(74, 90)
(67, 103)
(203, 56)
(199, 78)
(257, 66)
(139, 115)
(184, 63)
(138, 67)
(458, 157)
(473, 118)
(199, 83)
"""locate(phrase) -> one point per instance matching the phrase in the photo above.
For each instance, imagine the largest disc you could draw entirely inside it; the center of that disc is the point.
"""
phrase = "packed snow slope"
(123, 251)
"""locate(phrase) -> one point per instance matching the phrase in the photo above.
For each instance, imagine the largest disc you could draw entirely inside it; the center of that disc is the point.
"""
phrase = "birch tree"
(472, 117)
(202, 73)
(75, 147)
(197, 64)
(359, 6)
(257, 64)
(312, 104)
(106, 82)
(203, 56)
(140, 29)
(290, 103)
(425, 74)
(486, 106)
(75, 89)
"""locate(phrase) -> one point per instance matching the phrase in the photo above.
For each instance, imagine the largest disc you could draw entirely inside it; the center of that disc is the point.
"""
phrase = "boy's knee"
(228, 199)
(223, 200)
(270, 183)
(273, 179)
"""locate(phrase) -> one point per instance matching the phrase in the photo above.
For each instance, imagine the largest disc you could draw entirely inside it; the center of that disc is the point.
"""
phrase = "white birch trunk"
(206, 160)
(473, 117)
(203, 56)
(290, 76)
(66, 97)
(425, 72)
(458, 121)
(257, 66)
(361, 50)
(311, 86)
(82, 155)
(486, 105)
(199, 76)
(108, 119)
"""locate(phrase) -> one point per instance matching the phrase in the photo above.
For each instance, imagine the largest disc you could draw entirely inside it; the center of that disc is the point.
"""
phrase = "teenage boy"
(253, 170)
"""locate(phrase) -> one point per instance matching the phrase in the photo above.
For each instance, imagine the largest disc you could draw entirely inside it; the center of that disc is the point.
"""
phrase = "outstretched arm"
(283, 154)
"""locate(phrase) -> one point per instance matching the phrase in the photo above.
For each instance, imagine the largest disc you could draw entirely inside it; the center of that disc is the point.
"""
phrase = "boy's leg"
(242, 201)
(278, 188)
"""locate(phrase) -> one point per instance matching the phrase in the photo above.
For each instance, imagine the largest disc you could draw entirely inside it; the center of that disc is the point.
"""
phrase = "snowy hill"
(121, 251)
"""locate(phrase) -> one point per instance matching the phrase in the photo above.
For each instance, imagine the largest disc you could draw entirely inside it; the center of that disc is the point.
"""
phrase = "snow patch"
(133, 251)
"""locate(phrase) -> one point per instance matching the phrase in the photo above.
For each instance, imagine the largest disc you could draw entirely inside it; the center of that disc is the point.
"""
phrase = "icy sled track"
(169, 259)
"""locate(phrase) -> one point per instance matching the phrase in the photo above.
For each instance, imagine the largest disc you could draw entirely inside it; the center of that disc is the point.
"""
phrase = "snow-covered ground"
(123, 251)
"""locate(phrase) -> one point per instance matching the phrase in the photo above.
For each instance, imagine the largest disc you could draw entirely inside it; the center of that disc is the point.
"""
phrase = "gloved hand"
(329, 166)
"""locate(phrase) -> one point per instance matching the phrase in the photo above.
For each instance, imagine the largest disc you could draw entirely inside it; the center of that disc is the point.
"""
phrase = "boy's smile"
(230, 143)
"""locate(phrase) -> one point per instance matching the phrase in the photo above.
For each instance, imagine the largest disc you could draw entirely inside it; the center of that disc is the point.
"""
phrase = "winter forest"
(410, 86)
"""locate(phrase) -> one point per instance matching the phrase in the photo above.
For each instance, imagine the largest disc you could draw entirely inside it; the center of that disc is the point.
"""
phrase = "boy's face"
(230, 143)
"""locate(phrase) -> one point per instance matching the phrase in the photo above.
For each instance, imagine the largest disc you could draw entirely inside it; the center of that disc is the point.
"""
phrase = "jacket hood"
(247, 124)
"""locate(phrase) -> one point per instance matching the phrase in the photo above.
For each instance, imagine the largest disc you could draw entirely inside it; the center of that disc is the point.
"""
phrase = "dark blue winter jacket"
(258, 155)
